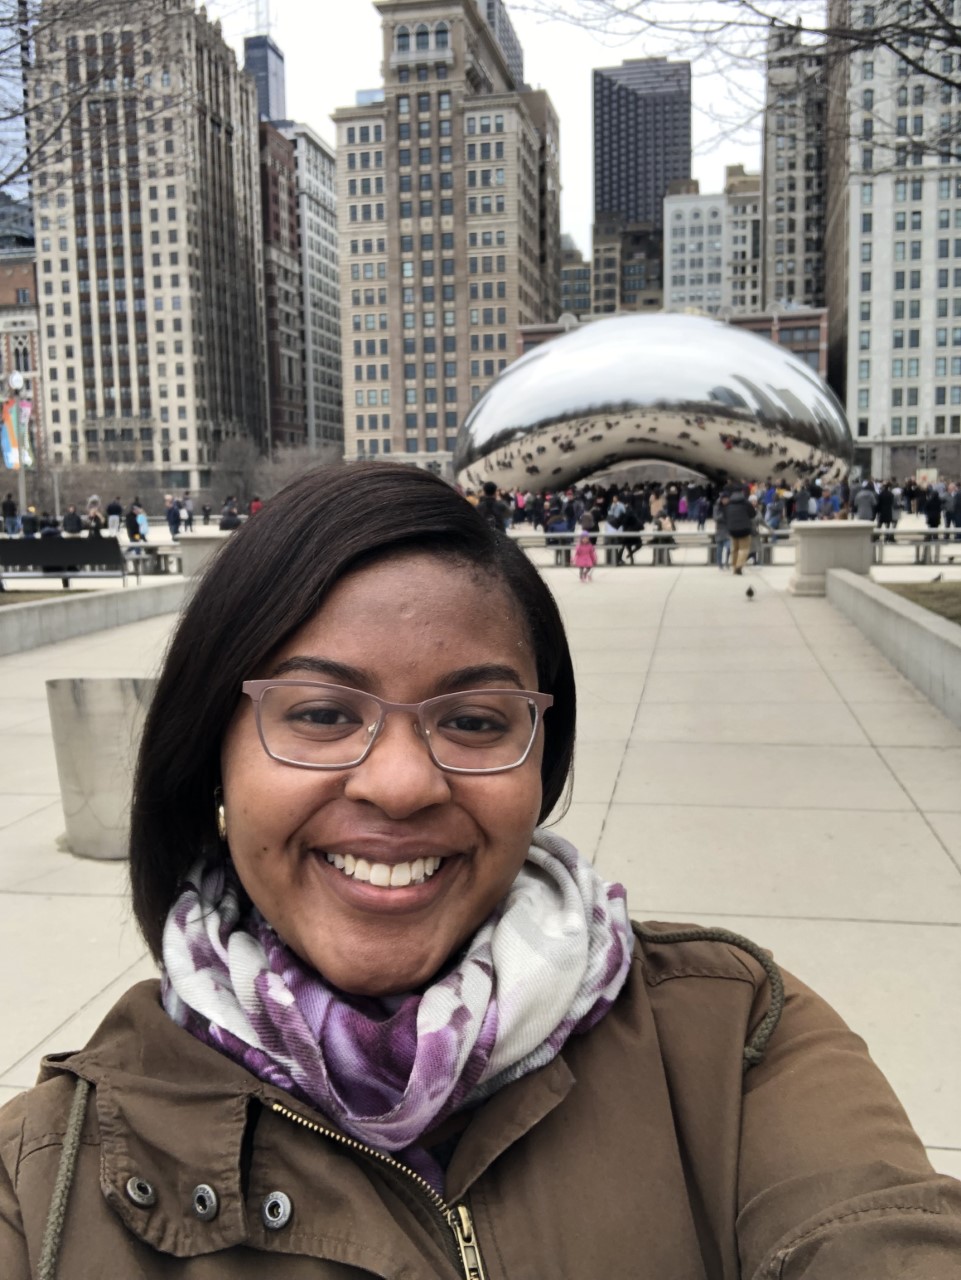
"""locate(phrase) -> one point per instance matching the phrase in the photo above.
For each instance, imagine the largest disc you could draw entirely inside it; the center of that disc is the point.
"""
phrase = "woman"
(401, 1030)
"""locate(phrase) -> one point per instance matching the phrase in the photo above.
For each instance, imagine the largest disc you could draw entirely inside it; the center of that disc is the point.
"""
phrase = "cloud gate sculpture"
(677, 388)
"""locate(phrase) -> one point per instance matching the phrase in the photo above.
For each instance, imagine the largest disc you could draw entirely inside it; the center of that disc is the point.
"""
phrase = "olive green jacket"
(643, 1151)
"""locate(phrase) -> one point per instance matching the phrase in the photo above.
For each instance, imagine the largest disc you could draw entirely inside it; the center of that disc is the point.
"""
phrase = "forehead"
(420, 614)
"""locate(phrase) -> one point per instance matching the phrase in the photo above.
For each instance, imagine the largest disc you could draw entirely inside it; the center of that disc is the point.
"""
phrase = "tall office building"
(316, 169)
(712, 259)
(283, 289)
(265, 62)
(903, 244)
(498, 19)
(148, 242)
(794, 174)
(642, 137)
(448, 190)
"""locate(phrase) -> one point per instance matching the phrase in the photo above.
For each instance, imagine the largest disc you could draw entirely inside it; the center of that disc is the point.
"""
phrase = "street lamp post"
(15, 383)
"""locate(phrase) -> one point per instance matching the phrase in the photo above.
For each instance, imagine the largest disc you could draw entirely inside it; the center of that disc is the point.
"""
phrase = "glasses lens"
(317, 725)
(481, 730)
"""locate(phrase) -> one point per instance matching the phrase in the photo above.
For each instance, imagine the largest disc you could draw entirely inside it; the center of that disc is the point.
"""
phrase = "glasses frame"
(255, 690)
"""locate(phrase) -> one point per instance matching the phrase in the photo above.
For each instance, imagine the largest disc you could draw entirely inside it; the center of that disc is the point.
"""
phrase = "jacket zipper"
(456, 1219)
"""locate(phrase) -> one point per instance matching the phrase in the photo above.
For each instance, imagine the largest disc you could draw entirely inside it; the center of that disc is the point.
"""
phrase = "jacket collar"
(146, 1070)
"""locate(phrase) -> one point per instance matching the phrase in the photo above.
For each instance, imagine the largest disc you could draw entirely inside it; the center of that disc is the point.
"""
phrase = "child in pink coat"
(585, 557)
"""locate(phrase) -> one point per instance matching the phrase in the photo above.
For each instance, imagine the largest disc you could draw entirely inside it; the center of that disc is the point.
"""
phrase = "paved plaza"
(752, 764)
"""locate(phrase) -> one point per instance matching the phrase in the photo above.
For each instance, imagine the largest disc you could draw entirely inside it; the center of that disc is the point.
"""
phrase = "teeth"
(382, 874)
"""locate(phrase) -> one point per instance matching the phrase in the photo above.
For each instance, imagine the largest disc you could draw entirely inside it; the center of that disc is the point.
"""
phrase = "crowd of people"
(96, 519)
(738, 512)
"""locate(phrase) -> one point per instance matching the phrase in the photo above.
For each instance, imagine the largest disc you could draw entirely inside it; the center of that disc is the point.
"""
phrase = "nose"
(398, 775)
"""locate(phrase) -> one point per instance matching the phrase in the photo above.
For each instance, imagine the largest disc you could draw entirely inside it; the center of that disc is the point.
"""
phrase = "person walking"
(494, 511)
(953, 505)
(886, 511)
(114, 516)
(585, 557)
(722, 534)
(10, 512)
(172, 513)
(187, 513)
(865, 502)
(740, 523)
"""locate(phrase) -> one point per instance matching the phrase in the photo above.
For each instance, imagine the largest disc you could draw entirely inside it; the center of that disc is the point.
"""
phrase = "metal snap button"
(205, 1202)
(141, 1192)
(276, 1210)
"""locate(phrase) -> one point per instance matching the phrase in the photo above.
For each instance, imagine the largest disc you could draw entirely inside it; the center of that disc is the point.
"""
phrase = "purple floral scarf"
(547, 964)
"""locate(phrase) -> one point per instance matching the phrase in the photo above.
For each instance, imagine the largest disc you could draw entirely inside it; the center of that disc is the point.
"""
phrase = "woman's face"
(406, 629)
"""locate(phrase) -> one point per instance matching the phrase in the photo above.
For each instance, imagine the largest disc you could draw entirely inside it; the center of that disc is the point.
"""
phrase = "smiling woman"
(401, 1029)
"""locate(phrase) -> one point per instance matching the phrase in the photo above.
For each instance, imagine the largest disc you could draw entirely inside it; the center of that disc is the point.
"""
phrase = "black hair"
(266, 582)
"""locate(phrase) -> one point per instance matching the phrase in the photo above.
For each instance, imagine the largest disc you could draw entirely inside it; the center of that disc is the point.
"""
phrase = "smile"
(383, 875)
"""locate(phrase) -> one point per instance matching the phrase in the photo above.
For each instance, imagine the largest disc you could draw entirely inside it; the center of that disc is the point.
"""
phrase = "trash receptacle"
(97, 723)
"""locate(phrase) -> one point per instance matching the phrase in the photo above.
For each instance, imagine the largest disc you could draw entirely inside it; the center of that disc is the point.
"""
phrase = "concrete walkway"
(754, 764)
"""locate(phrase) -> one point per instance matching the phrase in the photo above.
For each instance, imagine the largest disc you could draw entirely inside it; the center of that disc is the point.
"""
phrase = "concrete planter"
(97, 724)
(198, 548)
(925, 648)
(828, 544)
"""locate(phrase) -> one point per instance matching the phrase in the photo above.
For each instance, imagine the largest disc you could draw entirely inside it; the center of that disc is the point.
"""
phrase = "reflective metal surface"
(677, 388)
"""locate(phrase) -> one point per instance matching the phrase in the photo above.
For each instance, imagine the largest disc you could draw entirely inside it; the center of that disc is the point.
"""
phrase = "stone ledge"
(24, 627)
(924, 647)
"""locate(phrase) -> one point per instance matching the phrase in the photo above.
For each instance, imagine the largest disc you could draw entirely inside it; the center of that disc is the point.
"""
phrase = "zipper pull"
(462, 1226)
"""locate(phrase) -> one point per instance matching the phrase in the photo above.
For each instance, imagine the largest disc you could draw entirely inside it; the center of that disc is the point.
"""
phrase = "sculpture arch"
(672, 388)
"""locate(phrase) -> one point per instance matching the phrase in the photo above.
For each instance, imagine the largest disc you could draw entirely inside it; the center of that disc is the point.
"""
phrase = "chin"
(385, 977)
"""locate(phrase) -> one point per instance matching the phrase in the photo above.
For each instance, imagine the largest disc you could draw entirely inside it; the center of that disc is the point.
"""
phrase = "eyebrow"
(490, 674)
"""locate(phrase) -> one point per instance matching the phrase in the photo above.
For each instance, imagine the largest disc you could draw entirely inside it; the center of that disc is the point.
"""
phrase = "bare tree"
(46, 79)
(729, 39)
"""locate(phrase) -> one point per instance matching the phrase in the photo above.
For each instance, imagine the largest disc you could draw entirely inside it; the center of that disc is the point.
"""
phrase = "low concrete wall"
(24, 627)
(924, 647)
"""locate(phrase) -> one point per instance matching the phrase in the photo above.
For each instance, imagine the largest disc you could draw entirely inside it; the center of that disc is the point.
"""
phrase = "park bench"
(63, 558)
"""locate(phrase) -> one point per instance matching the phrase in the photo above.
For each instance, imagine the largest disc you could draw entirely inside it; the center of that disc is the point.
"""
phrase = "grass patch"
(31, 597)
(943, 598)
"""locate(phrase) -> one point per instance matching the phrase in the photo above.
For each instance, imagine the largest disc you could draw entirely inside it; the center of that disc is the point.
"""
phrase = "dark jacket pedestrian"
(885, 512)
(932, 508)
(740, 514)
(72, 521)
(131, 525)
(494, 511)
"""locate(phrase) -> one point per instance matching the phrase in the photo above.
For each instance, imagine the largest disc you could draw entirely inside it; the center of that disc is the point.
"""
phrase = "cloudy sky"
(332, 48)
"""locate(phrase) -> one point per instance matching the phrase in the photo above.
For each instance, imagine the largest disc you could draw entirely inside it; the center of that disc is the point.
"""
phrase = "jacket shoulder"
(667, 951)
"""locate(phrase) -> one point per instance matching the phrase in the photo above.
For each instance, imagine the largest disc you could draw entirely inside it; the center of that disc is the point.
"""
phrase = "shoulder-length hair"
(267, 581)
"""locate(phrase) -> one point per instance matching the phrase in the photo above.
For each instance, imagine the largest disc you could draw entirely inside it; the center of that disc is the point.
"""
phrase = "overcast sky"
(332, 48)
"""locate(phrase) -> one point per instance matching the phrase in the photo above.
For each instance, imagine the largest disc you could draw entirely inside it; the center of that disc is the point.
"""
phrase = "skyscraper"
(897, 248)
(265, 62)
(448, 202)
(316, 169)
(794, 171)
(148, 241)
(642, 137)
(282, 288)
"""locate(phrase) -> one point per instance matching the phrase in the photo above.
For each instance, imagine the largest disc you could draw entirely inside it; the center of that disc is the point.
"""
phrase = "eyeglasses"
(325, 726)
